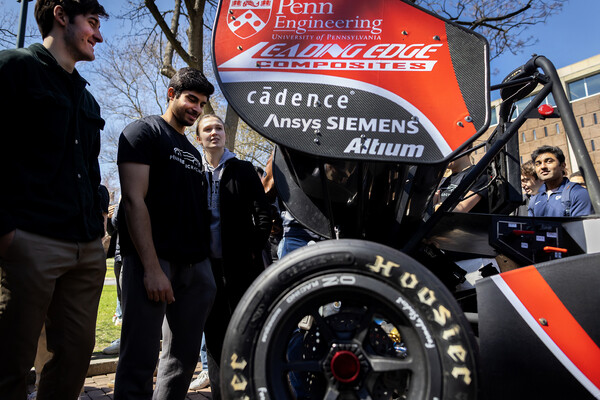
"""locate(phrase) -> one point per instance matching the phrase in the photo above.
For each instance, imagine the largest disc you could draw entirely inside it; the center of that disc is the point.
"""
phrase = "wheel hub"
(345, 366)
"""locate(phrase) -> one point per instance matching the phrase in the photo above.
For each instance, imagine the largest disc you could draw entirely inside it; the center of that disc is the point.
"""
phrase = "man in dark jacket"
(51, 257)
(240, 227)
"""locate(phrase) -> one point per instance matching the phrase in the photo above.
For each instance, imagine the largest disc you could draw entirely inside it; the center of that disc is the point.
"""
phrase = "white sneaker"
(114, 348)
(201, 381)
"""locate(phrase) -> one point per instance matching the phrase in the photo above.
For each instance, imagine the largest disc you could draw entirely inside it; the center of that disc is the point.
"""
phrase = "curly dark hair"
(189, 78)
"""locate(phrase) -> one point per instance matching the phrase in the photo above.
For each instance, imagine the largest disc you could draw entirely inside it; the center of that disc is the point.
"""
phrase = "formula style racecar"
(368, 102)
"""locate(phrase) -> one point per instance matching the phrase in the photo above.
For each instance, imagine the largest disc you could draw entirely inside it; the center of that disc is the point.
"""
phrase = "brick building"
(581, 82)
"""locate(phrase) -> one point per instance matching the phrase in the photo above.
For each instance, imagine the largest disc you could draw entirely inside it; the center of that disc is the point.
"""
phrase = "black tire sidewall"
(422, 293)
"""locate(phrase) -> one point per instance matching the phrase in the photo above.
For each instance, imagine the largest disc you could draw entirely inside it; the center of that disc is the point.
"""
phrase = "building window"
(545, 131)
(582, 124)
(534, 135)
(595, 119)
(584, 87)
(557, 129)
(521, 159)
(521, 104)
(593, 84)
(577, 90)
(523, 137)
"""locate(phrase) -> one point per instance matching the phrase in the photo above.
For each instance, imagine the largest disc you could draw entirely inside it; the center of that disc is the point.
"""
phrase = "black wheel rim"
(360, 330)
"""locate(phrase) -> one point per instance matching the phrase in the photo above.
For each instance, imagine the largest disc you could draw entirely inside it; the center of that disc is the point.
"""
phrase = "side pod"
(539, 331)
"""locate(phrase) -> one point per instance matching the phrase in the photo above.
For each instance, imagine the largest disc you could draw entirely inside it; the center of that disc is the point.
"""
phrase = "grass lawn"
(106, 331)
(110, 268)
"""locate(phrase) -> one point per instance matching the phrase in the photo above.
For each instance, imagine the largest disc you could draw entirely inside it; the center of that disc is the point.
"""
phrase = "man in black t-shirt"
(164, 240)
(476, 198)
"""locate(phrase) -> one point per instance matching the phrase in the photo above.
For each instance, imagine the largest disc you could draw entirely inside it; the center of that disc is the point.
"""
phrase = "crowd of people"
(192, 229)
(189, 229)
(547, 191)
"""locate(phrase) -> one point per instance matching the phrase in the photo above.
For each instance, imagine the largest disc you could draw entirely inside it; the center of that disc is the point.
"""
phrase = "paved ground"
(101, 377)
(101, 387)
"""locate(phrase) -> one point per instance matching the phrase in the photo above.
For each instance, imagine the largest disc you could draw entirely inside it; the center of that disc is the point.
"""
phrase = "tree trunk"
(231, 124)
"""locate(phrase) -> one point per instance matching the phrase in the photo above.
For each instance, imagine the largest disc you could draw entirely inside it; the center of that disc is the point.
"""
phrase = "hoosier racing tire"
(348, 319)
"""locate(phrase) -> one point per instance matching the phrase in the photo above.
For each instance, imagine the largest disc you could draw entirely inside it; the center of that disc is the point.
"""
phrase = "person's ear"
(60, 16)
(171, 93)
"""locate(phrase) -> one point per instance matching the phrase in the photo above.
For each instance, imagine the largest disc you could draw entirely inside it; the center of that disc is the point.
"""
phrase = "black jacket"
(245, 226)
(49, 146)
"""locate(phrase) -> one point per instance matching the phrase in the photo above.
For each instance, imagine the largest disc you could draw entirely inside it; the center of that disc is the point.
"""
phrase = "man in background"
(557, 197)
(530, 184)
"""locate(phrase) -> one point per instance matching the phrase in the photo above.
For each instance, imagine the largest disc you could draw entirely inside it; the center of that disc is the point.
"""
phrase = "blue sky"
(570, 36)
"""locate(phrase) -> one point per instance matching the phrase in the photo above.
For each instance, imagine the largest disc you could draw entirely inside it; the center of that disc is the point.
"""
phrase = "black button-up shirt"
(49, 145)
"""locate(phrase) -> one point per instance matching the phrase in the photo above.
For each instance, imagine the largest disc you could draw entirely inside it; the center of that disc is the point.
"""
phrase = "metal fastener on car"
(404, 33)
(543, 322)
(316, 140)
(240, 48)
(468, 118)
(436, 37)
(459, 123)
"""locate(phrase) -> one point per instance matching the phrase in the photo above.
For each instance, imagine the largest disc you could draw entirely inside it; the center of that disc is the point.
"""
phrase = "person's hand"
(158, 286)
(5, 242)
(437, 197)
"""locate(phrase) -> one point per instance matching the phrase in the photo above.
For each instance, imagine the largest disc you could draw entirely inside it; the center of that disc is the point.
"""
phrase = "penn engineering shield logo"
(248, 17)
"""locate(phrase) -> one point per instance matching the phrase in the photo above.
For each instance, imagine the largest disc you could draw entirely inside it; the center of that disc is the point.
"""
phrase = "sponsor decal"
(395, 57)
(372, 146)
(374, 80)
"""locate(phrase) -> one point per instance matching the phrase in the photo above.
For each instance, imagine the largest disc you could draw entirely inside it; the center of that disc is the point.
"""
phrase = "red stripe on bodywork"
(564, 330)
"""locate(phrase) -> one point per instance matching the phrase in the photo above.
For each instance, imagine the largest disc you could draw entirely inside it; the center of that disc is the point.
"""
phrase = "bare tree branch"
(185, 56)
(167, 69)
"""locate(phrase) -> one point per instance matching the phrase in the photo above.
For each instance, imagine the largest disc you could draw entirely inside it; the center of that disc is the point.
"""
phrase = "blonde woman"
(240, 225)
